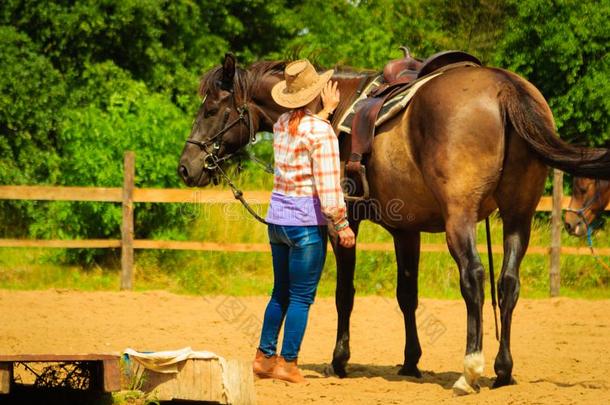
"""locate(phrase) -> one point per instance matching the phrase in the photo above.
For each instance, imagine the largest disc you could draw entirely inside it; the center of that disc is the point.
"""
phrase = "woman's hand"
(347, 239)
(330, 99)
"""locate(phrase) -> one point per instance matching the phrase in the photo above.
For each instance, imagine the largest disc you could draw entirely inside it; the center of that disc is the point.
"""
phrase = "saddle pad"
(345, 123)
(398, 103)
(390, 108)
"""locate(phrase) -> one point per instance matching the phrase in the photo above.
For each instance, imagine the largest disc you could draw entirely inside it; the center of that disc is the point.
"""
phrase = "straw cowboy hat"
(301, 85)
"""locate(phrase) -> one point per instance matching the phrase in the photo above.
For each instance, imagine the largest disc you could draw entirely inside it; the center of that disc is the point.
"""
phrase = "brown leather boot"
(287, 371)
(262, 365)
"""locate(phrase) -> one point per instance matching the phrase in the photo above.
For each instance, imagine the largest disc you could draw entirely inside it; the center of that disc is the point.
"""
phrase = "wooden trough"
(105, 376)
(199, 380)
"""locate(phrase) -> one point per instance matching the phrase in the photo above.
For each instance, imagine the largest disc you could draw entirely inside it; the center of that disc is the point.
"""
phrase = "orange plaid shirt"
(307, 165)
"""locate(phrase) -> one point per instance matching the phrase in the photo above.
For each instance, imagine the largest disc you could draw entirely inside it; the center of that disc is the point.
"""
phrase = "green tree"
(31, 98)
(562, 47)
(122, 114)
(367, 33)
(165, 43)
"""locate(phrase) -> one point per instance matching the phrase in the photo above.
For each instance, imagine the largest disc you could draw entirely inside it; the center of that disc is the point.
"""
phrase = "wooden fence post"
(556, 224)
(127, 225)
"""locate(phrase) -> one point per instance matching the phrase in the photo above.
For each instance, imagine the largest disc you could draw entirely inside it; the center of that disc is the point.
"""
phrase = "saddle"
(406, 67)
(400, 78)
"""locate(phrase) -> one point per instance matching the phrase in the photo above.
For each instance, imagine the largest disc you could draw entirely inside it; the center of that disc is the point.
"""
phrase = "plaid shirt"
(308, 164)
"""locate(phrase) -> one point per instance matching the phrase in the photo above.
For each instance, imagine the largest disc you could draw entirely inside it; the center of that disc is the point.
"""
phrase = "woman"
(306, 200)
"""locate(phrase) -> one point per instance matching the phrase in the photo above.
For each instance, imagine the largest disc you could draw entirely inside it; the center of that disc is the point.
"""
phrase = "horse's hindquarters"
(447, 149)
(396, 184)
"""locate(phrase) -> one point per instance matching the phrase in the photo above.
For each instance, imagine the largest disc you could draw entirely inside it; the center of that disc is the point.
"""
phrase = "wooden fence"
(129, 194)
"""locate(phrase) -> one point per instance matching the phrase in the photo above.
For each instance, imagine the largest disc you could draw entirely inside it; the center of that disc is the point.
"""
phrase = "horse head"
(228, 119)
(589, 199)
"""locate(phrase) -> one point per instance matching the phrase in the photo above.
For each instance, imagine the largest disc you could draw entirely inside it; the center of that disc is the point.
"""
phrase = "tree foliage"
(562, 47)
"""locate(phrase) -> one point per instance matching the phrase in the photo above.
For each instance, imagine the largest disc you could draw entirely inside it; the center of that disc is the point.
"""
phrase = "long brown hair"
(295, 120)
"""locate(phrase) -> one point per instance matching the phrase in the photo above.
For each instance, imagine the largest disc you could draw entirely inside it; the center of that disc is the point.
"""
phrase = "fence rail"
(129, 194)
(259, 247)
(160, 195)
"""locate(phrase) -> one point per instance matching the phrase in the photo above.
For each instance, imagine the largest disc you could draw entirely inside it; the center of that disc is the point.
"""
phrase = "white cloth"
(167, 361)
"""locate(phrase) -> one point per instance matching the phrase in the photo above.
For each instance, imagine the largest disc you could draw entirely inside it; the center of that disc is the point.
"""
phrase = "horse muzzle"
(574, 224)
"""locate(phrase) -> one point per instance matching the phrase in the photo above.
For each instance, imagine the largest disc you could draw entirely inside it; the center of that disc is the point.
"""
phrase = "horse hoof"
(410, 371)
(461, 387)
(339, 370)
(502, 382)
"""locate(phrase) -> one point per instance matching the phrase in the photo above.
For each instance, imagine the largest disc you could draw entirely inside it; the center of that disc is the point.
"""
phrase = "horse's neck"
(269, 110)
(349, 85)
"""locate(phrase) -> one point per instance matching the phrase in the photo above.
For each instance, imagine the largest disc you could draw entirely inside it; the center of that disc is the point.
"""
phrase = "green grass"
(190, 272)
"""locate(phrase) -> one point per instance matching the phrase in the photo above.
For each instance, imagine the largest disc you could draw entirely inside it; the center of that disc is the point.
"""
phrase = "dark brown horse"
(589, 199)
(472, 140)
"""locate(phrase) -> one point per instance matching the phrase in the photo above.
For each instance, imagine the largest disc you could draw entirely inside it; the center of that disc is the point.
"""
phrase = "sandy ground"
(560, 346)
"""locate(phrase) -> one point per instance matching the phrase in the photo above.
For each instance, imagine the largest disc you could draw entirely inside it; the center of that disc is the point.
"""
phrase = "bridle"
(580, 213)
(212, 162)
(595, 223)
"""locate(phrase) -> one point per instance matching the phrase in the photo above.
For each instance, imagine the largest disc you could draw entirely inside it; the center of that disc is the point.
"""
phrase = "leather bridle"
(212, 162)
(595, 223)
(580, 213)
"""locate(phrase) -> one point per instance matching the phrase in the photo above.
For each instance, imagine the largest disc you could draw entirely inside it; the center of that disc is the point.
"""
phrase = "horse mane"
(211, 82)
(265, 67)
(245, 79)
(262, 68)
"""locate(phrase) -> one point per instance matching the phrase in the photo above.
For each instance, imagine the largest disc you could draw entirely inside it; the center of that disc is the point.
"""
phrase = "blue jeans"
(298, 258)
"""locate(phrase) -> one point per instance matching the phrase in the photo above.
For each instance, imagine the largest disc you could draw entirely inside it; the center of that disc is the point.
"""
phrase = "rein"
(590, 228)
(492, 281)
(212, 162)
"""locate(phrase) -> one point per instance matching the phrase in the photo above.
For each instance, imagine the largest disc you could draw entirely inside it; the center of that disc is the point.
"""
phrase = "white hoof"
(473, 369)
(461, 387)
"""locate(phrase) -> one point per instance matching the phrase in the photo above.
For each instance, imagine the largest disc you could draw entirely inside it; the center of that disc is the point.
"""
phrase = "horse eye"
(210, 112)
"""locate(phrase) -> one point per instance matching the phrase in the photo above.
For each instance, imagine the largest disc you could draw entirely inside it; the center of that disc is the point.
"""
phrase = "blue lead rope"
(590, 229)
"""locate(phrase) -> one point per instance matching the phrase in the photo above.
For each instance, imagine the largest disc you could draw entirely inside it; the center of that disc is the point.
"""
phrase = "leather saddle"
(406, 67)
(398, 76)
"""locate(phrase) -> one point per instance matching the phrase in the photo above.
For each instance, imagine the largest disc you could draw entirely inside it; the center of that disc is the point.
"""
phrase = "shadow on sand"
(390, 373)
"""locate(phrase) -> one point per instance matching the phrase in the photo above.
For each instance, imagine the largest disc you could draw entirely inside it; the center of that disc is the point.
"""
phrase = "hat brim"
(302, 97)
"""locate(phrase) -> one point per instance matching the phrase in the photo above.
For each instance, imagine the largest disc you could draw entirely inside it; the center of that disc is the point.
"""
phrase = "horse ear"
(228, 71)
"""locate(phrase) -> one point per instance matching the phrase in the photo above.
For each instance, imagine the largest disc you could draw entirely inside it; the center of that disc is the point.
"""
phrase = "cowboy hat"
(302, 84)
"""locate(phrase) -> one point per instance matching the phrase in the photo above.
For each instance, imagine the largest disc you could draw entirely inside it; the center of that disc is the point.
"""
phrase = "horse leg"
(517, 196)
(516, 238)
(461, 239)
(344, 300)
(406, 245)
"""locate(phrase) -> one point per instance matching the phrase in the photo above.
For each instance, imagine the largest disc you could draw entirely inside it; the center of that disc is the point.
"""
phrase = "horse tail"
(529, 114)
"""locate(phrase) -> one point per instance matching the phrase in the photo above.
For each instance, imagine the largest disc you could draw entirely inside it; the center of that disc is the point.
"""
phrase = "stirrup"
(365, 188)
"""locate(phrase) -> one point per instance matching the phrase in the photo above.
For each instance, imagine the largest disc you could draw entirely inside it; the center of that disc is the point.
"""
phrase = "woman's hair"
(294, 121)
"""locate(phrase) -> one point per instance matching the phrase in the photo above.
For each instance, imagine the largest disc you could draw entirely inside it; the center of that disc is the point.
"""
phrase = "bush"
(123, 115)
(32, 94)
